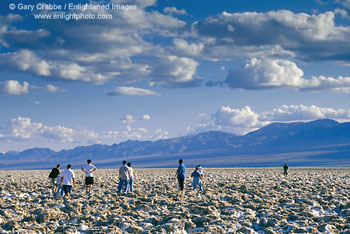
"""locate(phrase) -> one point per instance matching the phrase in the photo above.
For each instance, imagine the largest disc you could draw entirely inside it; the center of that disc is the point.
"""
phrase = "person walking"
(53, 177)
(131, 181)
(89, 168)
(181, 176)
(285, 169)
(60, 191)
(197, 179)
(68, 180)
(124, 177)
(200, 170)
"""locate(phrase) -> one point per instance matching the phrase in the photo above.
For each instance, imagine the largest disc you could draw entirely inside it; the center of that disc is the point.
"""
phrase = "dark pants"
(181, 183)
(67, 189)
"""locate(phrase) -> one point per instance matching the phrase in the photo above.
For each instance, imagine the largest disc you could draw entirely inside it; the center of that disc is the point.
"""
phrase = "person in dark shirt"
(53, 176)
(285, 169)
(181, 174)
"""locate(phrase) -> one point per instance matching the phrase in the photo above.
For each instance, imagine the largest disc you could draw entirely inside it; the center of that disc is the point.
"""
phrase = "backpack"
(53, 173)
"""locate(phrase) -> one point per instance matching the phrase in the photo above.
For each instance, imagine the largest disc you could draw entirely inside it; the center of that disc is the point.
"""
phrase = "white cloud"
(268, 73)
(131, 91)
(160, 134)
(24, 129)
(52, 88)
(242, 121)
(112, 45)
(175, 71)
(133, 133)
(245, 117)
(174, 10)
(343, 13)
(25, 60)
(146, 117)
(315, 36)
(28, 61)
(344, 3)
(287, 113)
(187, 49)
(128, 119)
(13, 87)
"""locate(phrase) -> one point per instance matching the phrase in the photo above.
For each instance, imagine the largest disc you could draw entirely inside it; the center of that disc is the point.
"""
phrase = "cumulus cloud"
(52, 88)
(131, 91)
(227, 116)
(343, 13)
(24, 129)
(266, 73)
(308, 36)
(128, 119)
(160, 134)
(176, 71)
(188, 49)
(21, 128)
(13, 87)
(146, 117)
(287, 113)
(242, 121)
(174, 10)
(25, 60)
(127, 134)
(133, 133)
(52, 50)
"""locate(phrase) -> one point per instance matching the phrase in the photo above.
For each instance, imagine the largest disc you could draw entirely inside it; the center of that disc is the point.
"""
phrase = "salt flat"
(233, 201)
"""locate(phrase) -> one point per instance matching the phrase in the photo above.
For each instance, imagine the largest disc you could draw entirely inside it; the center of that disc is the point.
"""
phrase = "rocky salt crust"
(234, 201)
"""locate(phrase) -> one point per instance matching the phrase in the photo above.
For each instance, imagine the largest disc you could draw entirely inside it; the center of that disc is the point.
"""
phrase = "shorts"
(89, 180)
(67, 189)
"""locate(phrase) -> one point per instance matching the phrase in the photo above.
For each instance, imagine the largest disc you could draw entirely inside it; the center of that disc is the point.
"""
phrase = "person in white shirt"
(131, 181)
(200, 170)
(68, 180)
(124, 178)
(89, 179)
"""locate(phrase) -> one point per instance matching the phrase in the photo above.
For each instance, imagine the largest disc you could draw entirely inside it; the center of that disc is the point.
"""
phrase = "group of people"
(197, 176)
(126, 178)
(64, 182)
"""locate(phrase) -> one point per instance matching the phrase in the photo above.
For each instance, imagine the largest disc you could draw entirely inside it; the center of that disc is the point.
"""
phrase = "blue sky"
(170, 68)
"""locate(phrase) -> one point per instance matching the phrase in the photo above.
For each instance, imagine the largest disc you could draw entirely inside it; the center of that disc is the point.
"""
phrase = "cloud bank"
(266, 73)
(242, 121)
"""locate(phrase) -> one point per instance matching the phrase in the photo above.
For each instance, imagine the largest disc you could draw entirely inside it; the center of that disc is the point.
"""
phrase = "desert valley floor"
(255, 200)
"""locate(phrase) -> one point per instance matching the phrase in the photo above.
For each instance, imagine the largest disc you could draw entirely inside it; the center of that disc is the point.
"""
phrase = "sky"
(150, 70)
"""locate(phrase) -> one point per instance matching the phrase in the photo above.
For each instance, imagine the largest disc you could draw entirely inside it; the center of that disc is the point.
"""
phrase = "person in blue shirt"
(181, 174)
(197, 179)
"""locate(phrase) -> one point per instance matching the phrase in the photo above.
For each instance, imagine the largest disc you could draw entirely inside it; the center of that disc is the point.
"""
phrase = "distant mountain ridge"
(322, 142)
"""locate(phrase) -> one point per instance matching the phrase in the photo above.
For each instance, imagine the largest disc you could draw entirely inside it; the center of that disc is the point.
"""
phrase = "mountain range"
(317, 143)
